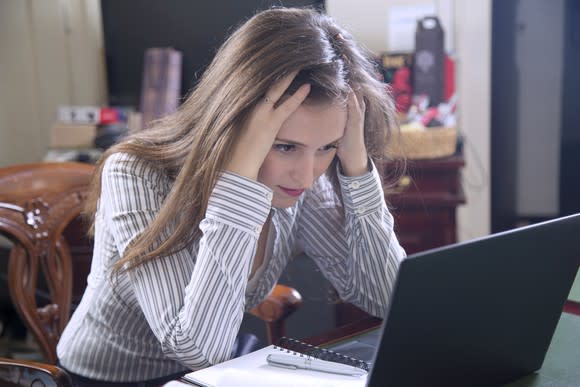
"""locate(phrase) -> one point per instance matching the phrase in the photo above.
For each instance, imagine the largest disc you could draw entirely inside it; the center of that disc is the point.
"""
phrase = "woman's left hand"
(352, 151)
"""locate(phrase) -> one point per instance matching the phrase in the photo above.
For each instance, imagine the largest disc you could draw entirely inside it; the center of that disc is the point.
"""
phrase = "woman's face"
(304, 148)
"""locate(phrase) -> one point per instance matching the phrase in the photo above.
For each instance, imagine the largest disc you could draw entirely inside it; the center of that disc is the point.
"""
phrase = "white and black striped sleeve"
(193, 304)
(355, 246)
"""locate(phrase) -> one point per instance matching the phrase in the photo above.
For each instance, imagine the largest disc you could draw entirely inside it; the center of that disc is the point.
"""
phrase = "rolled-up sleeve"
(354, 244)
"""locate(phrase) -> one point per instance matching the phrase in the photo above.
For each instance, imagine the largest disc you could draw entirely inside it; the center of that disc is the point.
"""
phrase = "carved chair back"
(40, 205)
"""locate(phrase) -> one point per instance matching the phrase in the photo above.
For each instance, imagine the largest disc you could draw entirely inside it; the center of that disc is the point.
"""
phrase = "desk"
(561, 366)
(424, 201)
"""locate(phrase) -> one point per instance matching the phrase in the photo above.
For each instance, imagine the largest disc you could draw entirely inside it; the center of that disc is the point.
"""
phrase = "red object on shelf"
(429, 116)
(108, 116)
(402, 89)
(449, 83)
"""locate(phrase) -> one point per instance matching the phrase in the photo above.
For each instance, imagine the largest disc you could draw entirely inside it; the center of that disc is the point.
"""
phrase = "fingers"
(288, 106)
(356, 109)
(293, 102)
(356, 103)
(352, 150)
(277, 89)
(262, 126)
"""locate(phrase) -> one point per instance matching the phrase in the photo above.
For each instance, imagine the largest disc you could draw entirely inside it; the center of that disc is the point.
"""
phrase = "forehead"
(315, 124)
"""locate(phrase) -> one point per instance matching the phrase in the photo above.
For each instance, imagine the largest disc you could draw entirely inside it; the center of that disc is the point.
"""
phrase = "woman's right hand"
(263, 125)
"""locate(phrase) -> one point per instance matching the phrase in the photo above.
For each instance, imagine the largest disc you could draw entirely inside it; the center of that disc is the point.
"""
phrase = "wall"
(51, 56)
(56, 58)
(473, 46)
(467, 27)
(570, 151)
(539, 59)
(368, 20)
(535, 113)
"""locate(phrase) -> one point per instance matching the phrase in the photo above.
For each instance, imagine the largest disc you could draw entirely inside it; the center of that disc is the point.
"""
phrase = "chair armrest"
(26, 373)
(278, 305)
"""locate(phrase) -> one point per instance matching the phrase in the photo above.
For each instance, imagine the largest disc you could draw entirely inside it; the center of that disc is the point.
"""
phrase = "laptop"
(478, 313)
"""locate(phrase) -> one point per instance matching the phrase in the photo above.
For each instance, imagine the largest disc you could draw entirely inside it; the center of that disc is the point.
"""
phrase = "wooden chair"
(40, 206)
(31, 374)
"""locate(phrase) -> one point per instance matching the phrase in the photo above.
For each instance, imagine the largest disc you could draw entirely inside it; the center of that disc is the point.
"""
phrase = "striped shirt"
(183, 311)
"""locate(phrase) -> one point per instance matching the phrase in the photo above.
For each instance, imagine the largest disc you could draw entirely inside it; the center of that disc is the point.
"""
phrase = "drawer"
(441, 177)
(420, 230)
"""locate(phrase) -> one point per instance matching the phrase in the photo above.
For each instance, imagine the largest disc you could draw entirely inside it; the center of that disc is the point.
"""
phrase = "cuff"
(362, 194)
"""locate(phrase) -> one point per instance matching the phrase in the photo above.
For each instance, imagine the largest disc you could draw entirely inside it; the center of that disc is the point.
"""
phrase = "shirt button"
(257, 229)
(354, 185)
(361, 210)
(269, 196)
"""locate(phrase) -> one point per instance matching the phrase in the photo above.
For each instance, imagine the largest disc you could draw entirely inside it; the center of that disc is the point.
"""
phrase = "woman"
(195, 219)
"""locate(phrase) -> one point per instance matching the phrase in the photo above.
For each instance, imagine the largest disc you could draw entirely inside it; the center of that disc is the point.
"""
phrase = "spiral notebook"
(253, 370)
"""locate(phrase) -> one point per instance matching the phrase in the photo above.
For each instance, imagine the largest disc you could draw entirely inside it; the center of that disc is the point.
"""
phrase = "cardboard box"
(79, 114)
(87, 114)
(66, 135)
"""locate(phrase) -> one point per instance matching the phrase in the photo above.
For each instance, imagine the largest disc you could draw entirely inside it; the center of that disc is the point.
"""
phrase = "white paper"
(253, 370)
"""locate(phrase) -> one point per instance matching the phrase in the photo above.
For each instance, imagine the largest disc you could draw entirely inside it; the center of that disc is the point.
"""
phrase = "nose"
(303, 171)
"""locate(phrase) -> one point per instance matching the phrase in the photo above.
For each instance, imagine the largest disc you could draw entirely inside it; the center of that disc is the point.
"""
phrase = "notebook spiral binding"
(300, 348)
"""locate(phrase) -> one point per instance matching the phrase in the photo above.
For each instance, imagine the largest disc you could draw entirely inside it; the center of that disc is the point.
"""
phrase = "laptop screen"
(481, 312)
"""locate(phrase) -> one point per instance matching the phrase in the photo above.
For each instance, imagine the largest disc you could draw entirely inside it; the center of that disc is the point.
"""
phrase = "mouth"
(292, 192)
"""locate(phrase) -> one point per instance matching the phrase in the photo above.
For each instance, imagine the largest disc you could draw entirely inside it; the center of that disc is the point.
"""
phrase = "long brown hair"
(192, 146)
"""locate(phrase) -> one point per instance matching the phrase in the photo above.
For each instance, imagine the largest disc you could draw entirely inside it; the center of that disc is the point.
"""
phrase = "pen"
(308, 363)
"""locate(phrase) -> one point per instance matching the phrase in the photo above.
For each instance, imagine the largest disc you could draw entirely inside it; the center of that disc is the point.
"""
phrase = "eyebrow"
(300, 144)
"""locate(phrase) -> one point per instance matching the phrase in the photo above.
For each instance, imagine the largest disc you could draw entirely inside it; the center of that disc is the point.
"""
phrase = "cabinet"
(423, 200)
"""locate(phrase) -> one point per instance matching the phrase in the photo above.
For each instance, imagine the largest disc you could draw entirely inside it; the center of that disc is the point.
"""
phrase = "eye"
(329, 147)
(285, 148)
